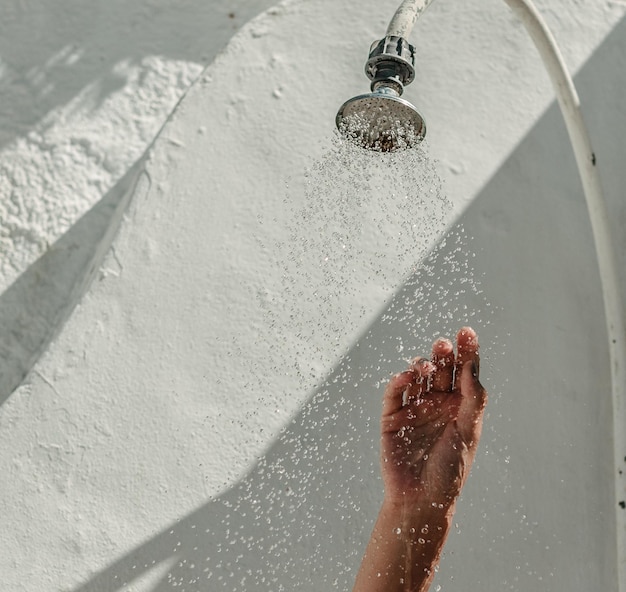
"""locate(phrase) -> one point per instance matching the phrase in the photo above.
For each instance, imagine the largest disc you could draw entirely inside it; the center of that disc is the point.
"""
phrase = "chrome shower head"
(381, 120)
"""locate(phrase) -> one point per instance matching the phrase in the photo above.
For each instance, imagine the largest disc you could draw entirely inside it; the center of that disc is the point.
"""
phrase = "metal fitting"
(391, 63)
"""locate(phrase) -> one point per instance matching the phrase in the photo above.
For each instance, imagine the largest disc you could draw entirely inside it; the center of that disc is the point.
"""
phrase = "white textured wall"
(171, 384)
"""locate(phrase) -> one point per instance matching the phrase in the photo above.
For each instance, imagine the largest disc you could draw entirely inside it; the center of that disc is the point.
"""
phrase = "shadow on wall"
(318, 482)
(300, 519)
(79, 44)
(35, 307)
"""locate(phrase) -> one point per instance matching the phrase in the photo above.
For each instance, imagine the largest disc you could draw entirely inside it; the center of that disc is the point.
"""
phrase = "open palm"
(431, 423)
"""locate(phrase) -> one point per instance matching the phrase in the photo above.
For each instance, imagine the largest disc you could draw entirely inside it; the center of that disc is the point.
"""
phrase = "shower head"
(381, 120)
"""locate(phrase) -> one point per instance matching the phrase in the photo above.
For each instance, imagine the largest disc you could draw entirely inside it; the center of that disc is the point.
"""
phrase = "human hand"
(431, 423)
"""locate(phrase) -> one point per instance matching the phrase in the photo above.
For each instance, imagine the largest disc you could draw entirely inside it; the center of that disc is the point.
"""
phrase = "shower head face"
(381, 121)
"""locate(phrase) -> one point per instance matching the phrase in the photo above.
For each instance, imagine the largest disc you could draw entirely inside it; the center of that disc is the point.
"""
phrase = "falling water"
(371, 271)
(370, 233)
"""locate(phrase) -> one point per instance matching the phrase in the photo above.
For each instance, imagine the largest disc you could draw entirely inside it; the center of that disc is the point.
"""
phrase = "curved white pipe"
(406, 16)
(401, 25)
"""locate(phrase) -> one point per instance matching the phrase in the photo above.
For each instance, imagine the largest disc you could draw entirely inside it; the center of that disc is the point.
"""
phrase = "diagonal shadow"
(35, 307)
(80, 43)
(315, 480)
(299, 520)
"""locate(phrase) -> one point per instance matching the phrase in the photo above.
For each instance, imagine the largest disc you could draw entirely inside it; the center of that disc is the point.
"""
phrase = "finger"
(423, 370)
(443, 359)
(473, 402)
(467, 351)
(394, 393)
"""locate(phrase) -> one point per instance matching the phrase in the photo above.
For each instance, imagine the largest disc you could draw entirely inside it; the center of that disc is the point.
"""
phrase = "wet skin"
(430, 427)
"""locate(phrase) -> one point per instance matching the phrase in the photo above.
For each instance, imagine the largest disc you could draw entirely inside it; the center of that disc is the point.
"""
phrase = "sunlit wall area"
(204, 415)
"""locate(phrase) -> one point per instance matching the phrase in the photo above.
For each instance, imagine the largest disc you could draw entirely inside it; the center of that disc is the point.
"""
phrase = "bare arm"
(430, 427)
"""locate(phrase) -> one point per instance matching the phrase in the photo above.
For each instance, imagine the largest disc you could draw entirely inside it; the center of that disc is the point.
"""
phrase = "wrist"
(420, 505)
(410, 516)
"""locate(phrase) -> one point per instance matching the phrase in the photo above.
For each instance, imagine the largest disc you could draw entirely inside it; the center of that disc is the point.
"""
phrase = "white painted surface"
(85, 87)
(138, 413)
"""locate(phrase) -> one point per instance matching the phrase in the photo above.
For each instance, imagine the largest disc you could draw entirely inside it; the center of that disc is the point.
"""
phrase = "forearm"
(404, 548)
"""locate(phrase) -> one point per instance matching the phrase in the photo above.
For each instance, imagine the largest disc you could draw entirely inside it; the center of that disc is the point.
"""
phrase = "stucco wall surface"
(183, 431)
(85, 86)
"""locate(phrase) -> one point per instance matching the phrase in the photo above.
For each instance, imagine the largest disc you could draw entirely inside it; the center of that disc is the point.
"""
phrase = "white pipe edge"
(401, 25)
(605, 252)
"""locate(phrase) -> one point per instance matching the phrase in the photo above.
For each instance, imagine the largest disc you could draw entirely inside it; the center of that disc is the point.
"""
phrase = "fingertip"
(422, 367)
(442, 347)
(467, 337)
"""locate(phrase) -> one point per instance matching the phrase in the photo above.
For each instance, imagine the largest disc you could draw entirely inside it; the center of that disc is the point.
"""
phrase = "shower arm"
(401, 26)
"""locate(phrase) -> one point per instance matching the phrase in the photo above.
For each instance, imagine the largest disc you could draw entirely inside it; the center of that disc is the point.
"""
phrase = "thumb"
(473, 402)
